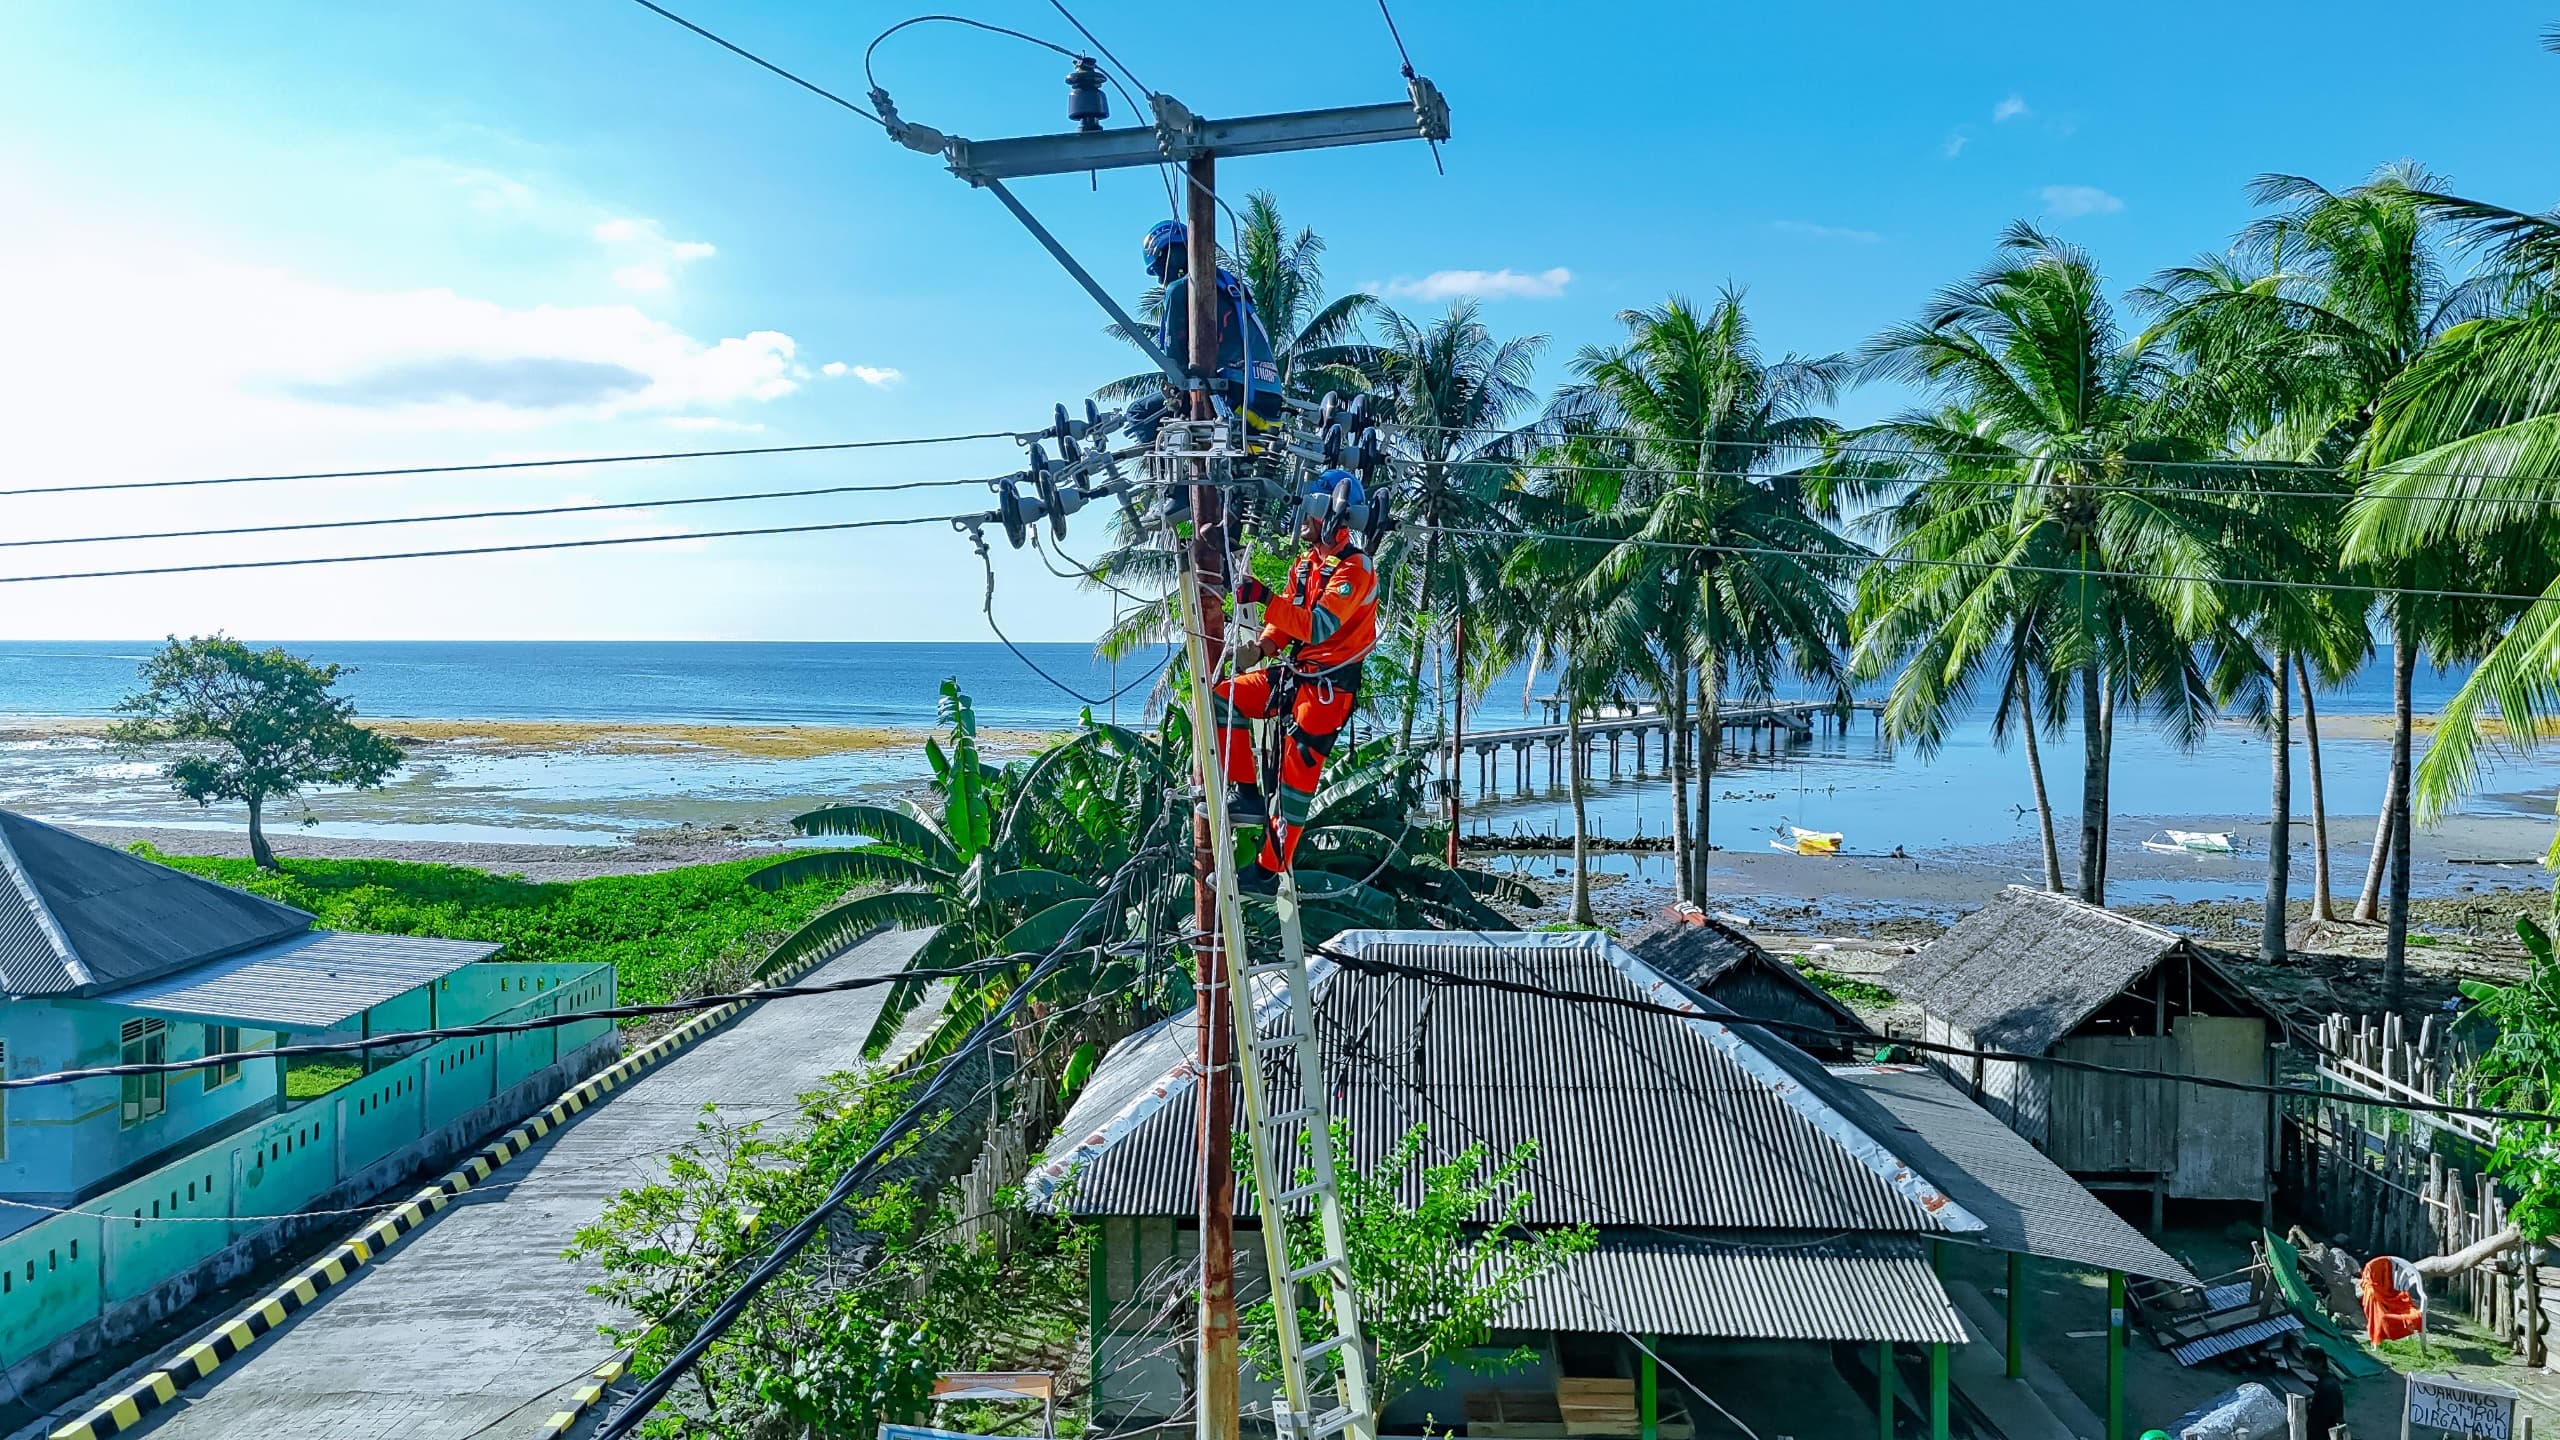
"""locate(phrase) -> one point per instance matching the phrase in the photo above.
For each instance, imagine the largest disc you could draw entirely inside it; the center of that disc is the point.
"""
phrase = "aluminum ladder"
(1275, 1137)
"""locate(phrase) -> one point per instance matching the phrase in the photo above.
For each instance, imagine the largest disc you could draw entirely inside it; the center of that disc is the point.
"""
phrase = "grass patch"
(657, 930)
(309, 1079)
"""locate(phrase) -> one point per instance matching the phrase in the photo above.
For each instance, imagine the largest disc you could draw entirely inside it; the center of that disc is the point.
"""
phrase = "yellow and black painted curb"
(124, 1410)
(583, 1399)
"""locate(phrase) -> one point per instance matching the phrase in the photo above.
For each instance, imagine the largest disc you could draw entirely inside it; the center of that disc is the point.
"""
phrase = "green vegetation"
(312, 1077)
(1431, 1274)
(827, 1348)
(258, 725)
(1847, 989)
(658, 930)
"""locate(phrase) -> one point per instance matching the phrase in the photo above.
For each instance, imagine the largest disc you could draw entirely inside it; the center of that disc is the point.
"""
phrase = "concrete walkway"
(475, 1324)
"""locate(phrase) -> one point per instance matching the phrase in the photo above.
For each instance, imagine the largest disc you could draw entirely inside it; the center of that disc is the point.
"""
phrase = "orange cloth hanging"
(2390, 1313)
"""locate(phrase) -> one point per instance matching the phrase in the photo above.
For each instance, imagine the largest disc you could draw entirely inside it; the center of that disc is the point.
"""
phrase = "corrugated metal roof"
(2026, 1202)
(2024, 970)
(314, 981)
(77, 916)
(1703, 953)
(1638, 1119)
(1859, 1289)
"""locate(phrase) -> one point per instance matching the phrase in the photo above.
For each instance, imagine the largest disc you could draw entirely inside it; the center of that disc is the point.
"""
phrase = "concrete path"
(474, 1324)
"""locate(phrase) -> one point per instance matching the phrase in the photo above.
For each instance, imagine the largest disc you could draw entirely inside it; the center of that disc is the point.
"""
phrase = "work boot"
(1254, 880)
(1245, 805)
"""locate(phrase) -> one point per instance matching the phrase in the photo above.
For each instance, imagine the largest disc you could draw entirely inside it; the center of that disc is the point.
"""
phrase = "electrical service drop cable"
(752, 57)
(989, 606)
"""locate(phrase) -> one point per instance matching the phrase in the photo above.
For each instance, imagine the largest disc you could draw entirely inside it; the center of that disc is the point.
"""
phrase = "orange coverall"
(1322, 621)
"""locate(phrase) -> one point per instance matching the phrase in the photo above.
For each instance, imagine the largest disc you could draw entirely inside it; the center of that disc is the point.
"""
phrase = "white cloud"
(1483, 284)
(649, 259)
(483, 189)
(2069, 202)
(2013, 108)
(1825, 232)
(1955, 143)
(878, 375)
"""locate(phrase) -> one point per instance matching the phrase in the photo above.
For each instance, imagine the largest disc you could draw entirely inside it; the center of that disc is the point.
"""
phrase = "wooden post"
(2017, 1368)
(2297, 1417)
(1648, 1413)
(1938, 1391)
(1884, 1390)
(2115, 1355)
(1098, 1295)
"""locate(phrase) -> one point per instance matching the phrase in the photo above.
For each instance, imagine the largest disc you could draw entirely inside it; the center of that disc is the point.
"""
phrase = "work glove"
(1250, 591)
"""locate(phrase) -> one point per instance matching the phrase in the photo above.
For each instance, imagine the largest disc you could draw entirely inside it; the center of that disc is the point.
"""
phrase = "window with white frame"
(146, 1042)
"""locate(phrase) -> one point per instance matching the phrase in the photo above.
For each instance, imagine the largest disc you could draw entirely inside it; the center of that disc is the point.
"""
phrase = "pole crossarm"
(1180, 136)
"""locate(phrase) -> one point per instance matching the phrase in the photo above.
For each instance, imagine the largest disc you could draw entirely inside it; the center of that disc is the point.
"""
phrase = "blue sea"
(883, 684)
(1967, 804)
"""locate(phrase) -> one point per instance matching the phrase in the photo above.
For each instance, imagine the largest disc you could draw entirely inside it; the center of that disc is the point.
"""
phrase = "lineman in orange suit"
(1316, 629)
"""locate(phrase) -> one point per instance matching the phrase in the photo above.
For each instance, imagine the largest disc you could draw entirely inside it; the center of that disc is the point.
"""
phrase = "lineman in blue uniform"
(1247, 377)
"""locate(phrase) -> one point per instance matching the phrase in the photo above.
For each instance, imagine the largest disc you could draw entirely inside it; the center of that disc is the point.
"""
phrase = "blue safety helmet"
(1337, 500)
(1169, 237)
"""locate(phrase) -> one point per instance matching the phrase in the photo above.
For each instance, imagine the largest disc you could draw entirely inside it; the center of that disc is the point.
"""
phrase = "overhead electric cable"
(748, 55)
(1988, 454)
(666, 504)
(1862, 557)
(485, 549)
(554, 463)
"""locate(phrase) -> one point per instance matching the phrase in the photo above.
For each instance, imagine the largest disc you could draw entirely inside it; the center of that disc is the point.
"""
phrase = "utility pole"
(1215, 1042)
(1178, 136)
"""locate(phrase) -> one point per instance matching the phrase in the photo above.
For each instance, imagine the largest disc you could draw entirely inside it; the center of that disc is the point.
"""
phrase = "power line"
(459, 1032)
(1096, 42)
(1375, 966)
(2098, 487)
(667, 504)
(748, 55)
(486, 549)
(873, 81)
(625, 459)
(1861, 556)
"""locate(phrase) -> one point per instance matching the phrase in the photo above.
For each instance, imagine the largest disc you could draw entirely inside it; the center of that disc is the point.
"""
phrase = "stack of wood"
(1597, 1407)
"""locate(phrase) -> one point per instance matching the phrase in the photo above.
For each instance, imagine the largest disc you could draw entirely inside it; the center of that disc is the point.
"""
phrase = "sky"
(296, 236)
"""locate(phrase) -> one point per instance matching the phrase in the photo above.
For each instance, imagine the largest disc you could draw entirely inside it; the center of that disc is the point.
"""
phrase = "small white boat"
(2189, 842)
(1796, 840)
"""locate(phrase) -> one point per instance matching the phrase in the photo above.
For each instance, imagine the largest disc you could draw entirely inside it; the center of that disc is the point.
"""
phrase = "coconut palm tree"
(2051, 506)
(1451, 389)
(1718, 507)
(1938, 637)
(2465, 449)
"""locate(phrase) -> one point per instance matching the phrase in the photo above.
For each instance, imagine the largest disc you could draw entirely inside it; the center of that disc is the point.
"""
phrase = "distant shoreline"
(745, 739)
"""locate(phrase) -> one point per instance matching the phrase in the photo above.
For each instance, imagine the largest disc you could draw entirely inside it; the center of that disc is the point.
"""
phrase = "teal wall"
(62, 1139)
(58, 1274)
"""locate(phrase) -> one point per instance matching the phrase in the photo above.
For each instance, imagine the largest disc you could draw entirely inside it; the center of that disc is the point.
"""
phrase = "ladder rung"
(1331, 1422)
(1305, 1273)
(1276, 967)
(1322, 1348)
(1303, 1192)
(1285, 1037)
(1298, 1116)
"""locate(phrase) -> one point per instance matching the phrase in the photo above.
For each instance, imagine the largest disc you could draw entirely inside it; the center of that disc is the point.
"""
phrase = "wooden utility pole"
(1215, 1040)
(1457, 728)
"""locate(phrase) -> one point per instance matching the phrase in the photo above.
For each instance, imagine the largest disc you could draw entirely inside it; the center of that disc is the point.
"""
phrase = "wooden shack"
(2039, 974)
(1730, 968)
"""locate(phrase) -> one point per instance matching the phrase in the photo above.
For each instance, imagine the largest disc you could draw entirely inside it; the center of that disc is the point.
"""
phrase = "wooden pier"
(1613, 726)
